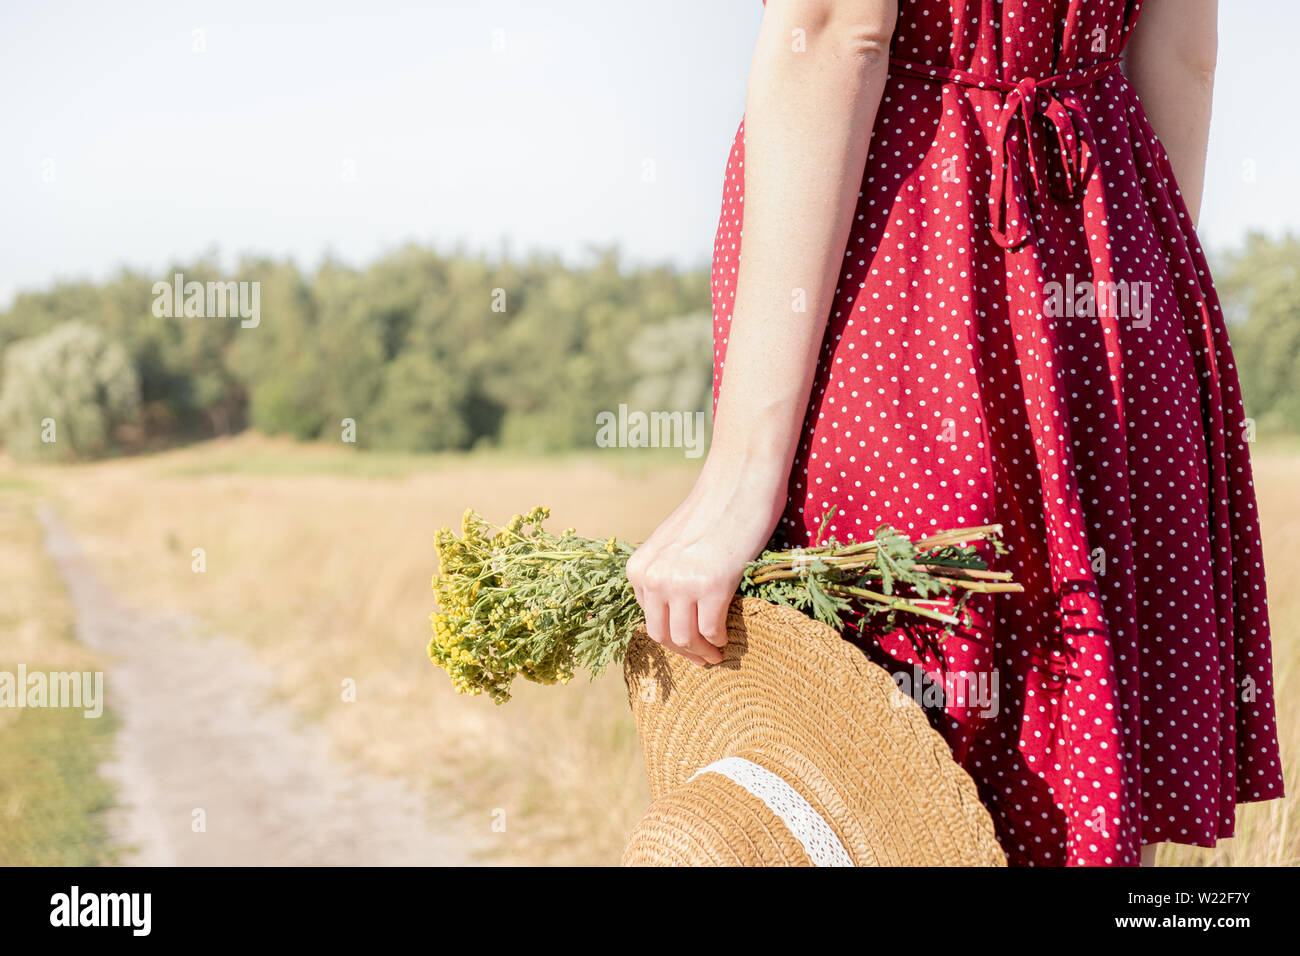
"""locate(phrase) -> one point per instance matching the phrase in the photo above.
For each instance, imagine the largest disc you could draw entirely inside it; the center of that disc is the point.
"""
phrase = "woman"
(971, 292)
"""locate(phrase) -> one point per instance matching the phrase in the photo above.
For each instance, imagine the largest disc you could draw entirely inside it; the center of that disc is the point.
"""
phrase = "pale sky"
(306, 128)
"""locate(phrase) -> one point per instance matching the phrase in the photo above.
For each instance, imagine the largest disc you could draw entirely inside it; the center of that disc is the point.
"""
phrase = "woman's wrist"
(757, 475)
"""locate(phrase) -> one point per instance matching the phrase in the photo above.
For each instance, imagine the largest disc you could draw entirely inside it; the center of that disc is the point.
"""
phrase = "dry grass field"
(320, 559)
(52, 797)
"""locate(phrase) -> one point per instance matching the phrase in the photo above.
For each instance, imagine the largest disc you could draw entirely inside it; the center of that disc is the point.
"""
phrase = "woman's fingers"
(712, 613)
(684, 628)
(685, 608)
(658, 627)
(657, 619)
(636, 569)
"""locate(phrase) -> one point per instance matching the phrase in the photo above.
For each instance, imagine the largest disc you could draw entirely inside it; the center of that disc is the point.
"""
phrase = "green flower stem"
(896, 604)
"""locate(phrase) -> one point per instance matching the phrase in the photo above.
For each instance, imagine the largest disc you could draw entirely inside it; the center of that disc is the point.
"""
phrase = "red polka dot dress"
(1026, 333)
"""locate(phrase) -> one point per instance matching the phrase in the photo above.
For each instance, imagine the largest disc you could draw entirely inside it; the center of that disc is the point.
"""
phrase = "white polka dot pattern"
(1134, 676)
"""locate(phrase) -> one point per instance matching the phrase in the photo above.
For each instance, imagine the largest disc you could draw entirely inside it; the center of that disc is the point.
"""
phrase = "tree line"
(422, 351)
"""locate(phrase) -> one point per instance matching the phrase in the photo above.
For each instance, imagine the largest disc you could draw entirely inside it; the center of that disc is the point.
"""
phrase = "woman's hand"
(686, 574)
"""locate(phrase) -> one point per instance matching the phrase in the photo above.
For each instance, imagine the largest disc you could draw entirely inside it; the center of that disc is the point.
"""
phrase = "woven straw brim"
(713, 821)
(794, 697)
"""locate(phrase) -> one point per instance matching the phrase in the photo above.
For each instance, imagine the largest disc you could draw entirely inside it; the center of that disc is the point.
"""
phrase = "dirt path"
(198, 731)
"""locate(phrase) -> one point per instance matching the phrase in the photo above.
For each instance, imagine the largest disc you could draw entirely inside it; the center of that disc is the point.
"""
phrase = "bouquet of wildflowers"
(518, 600)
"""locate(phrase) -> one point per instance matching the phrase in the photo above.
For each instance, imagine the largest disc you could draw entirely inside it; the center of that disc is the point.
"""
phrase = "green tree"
(420, 408)
(1258, 290)
(673, 362)
(67, 394)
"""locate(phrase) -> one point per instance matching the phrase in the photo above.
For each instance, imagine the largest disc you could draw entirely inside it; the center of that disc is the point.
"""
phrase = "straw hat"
(795, 750)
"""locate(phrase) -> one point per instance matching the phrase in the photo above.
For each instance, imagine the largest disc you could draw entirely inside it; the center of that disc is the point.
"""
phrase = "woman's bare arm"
(1170, 61)
(815, 84)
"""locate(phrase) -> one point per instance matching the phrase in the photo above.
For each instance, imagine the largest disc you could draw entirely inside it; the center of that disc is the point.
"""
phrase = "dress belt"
(1008, 203)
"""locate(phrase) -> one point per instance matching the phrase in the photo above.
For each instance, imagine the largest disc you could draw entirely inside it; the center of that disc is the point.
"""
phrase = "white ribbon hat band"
(805, 823)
